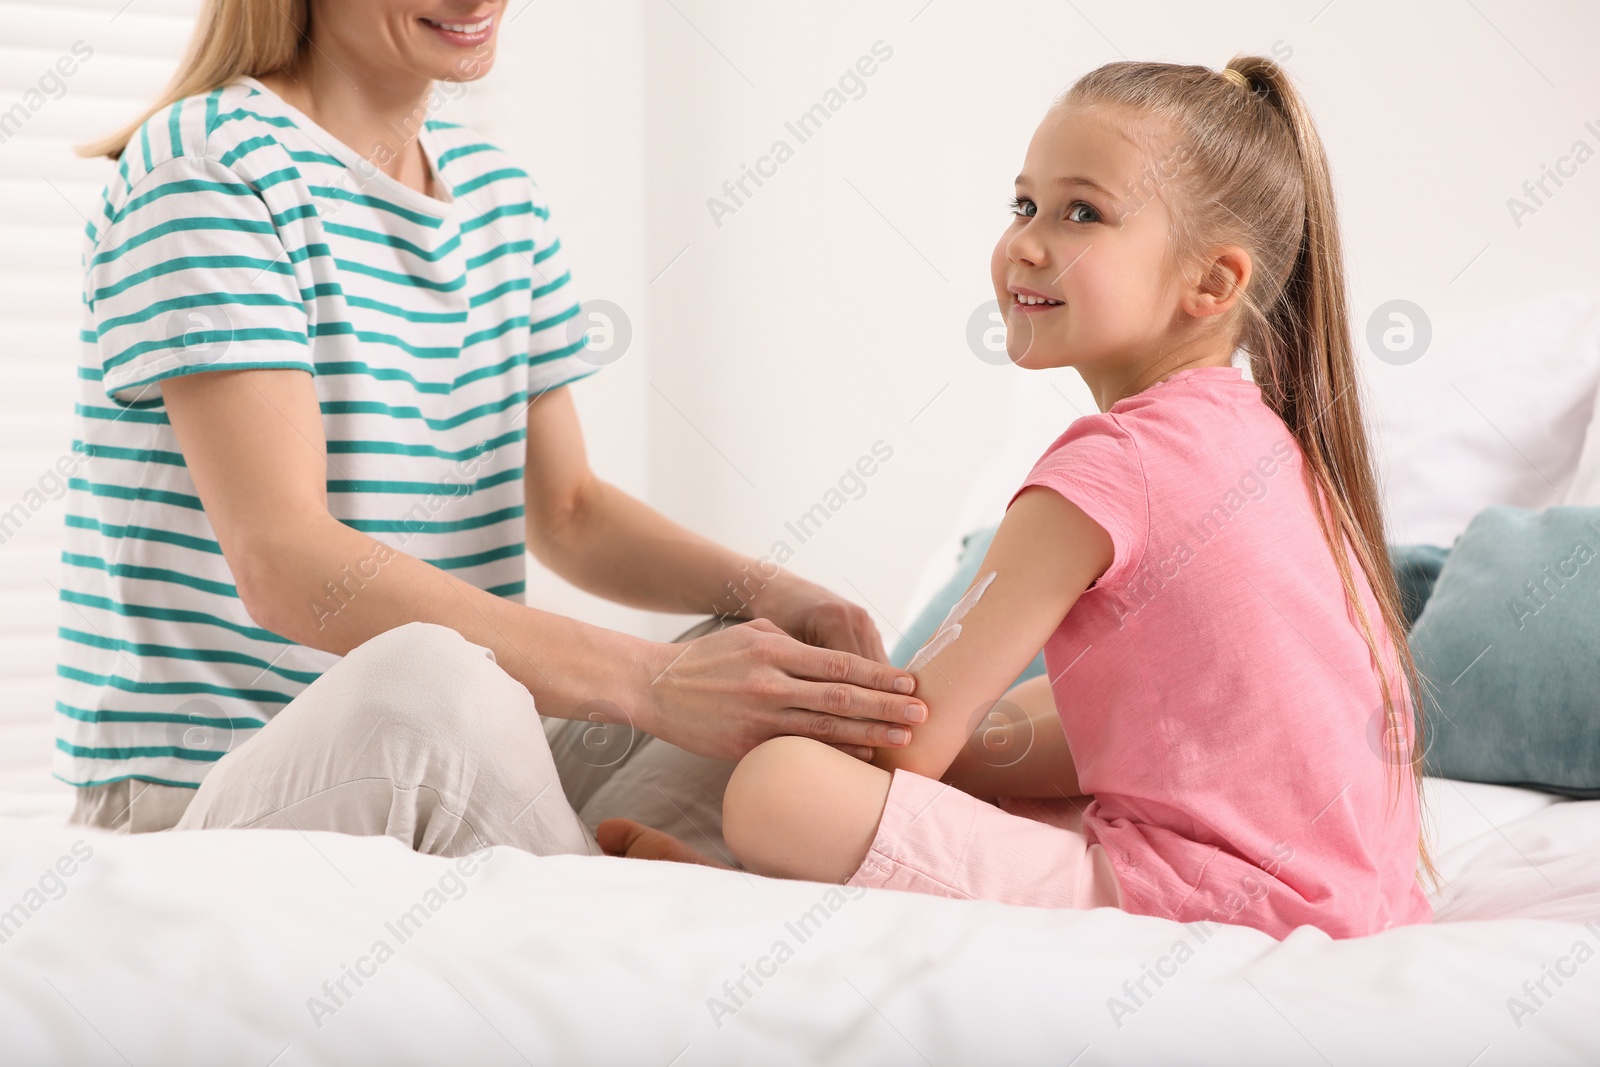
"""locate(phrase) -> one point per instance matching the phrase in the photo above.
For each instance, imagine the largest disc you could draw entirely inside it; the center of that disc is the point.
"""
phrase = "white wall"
(567, 99)
(829, 310)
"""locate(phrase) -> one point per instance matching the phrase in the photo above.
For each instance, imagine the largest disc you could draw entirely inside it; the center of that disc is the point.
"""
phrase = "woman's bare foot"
(624, 837)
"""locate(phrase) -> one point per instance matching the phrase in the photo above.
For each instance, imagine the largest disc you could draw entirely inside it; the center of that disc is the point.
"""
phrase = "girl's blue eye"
(1027, 209)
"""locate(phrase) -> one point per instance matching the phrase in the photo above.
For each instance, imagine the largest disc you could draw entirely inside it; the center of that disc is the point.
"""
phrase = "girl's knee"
(747, 802)
(771, 787)
(771, 769)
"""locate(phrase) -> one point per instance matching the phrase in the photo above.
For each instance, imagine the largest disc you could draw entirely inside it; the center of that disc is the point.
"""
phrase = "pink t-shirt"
(1219, 700)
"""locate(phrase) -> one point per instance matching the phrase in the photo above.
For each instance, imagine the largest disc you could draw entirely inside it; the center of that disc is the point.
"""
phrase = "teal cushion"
(973, 548)
(1508, 640)
(1416, 569)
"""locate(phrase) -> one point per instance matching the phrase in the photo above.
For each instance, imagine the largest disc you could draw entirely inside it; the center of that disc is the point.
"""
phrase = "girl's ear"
(1221, 285)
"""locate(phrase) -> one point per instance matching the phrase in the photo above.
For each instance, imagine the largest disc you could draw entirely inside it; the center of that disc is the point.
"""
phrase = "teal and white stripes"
(238, 234)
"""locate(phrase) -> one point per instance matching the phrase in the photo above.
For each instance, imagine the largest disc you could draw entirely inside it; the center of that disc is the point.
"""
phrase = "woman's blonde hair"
(231, 38)
(1253, 174)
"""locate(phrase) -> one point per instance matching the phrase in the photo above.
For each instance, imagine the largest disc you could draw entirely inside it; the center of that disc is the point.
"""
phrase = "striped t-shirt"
(235, 234)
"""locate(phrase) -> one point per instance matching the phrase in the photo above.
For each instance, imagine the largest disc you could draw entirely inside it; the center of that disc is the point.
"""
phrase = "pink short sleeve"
(1095, 464)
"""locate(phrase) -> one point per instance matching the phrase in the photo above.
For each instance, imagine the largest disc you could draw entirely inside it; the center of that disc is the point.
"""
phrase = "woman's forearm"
(330, 587)
(615, 546)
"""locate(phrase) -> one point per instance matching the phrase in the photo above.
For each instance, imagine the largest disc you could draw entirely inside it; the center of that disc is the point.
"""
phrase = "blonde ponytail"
(1257, 176)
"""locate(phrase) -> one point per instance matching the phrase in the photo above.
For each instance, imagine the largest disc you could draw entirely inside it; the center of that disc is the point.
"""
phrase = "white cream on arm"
(950, 629)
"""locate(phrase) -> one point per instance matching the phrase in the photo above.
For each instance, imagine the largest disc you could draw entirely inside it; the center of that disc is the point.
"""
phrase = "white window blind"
(70, 71)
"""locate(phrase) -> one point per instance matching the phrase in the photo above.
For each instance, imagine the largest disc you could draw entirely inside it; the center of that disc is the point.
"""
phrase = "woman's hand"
(723, 694)
(810, 613)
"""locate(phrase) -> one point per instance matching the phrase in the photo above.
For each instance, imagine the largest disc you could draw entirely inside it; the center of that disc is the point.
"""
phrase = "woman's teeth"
(1036, 300)
(461, 27)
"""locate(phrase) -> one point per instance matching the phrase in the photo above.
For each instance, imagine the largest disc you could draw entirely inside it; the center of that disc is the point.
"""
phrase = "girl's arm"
(1045, 554)
(607, 543)
(1018, 749)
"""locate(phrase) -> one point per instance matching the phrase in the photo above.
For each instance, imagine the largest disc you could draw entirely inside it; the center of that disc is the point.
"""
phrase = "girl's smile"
(1032, 302)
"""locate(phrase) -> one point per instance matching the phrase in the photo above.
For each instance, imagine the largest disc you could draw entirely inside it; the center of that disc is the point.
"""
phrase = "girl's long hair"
(231, 38)
(1253, 173)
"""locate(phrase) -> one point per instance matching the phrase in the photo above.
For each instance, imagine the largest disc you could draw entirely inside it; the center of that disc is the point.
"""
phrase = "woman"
(327, 345)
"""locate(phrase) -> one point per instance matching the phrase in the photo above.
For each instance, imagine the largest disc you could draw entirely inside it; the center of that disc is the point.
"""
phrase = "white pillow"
(1585, 487)
(1494, 412)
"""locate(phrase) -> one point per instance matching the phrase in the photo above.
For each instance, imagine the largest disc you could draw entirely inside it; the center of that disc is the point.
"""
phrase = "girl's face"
(440, 40)
(1089, 242)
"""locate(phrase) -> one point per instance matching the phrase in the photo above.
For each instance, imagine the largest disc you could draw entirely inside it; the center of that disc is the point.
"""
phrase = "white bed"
(208, 948)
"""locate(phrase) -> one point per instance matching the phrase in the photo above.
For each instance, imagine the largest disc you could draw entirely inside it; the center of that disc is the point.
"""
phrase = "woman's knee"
(430, 672)
(411, 643)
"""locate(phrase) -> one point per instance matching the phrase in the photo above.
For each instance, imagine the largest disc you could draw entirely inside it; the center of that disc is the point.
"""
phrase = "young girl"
(1222, 733)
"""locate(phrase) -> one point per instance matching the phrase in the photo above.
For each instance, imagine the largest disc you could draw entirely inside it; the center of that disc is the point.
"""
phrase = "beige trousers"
(420, 736)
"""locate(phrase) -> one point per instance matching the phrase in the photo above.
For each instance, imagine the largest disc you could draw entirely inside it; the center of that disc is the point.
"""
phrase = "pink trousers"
(934, 838)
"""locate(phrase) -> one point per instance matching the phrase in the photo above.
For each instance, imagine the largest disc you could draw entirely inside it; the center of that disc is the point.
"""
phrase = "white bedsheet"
(206, 948)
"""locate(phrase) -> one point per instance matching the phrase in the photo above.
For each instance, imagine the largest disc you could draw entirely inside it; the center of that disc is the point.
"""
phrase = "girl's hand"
(810, 613)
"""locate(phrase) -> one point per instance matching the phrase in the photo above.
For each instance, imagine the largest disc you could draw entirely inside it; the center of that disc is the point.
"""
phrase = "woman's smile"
(462, 33)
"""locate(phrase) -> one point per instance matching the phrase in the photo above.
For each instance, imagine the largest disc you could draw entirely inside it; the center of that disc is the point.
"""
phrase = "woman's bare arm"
(253, 443)
(608, 543)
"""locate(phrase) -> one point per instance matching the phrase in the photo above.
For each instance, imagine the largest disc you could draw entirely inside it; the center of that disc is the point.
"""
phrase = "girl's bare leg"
(796, 808)
(802, 810)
